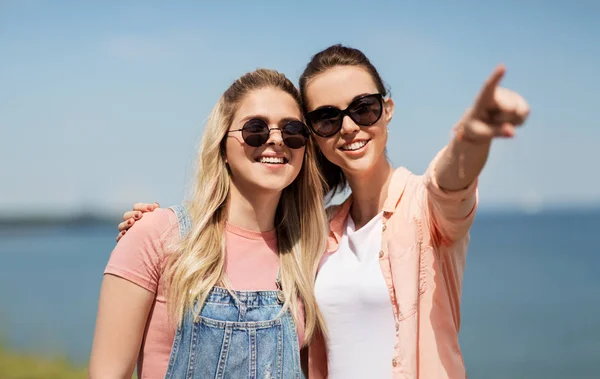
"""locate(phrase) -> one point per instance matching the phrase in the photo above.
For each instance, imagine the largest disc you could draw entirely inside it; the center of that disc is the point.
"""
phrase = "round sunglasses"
(256, 133)
(364, 111)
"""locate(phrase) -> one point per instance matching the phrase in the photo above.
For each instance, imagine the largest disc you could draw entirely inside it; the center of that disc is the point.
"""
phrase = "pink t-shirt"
(251, 264)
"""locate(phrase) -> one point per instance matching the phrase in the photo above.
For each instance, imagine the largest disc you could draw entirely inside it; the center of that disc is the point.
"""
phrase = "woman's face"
(272, 166)
(354, 148)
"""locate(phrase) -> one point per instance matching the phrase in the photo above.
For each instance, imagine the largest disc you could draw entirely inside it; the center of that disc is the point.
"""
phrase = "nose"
(348, 126)
(275, 137)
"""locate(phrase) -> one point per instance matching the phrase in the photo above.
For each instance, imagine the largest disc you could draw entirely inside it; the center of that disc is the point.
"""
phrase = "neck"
(251, 211)
(369, 191)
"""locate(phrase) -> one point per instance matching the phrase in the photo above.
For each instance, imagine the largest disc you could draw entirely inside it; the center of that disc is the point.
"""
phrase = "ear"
(388, 105)
(223, 153)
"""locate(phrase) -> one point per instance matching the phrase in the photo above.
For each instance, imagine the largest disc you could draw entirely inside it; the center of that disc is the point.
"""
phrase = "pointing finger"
(486, 95)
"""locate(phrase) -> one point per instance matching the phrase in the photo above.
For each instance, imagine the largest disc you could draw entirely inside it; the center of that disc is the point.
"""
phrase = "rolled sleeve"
(451, 212)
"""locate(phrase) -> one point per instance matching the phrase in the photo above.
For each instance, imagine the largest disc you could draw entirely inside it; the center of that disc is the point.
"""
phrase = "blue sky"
(103, 105)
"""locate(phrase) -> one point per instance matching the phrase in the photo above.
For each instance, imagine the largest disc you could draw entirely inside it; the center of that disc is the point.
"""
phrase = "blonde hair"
(199, 262)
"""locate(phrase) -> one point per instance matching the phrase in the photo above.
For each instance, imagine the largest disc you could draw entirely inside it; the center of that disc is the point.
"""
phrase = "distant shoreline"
(85, 219)
(96, 219)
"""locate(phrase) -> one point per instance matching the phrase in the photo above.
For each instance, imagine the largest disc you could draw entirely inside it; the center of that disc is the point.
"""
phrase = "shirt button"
(397, 326)
(384, 227)
(394, 362)
(381, 254)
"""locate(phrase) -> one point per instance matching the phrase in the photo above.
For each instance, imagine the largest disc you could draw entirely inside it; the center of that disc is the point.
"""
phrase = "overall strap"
(183, 219)
(185, 225)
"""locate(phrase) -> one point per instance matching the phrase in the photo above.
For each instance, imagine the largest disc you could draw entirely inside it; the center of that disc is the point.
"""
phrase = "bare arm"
(122, 315)
(497, 112)
(451, 179)
(462, 163)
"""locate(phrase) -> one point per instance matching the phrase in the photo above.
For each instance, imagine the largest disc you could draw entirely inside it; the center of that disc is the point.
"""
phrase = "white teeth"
(275, 160)
(354, 146)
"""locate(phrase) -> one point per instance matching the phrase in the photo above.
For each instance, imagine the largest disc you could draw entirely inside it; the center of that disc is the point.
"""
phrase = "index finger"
(486, 95)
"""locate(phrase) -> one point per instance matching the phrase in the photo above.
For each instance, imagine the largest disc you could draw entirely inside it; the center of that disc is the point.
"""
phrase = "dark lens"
(367, 110)
(325, 121)
(295, 134)
(255, 133)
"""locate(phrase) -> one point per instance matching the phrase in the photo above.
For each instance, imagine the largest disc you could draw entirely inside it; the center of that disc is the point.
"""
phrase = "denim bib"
(241, 336)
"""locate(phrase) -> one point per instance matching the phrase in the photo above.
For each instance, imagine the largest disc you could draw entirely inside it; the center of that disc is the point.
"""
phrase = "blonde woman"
(223, 287)
(390, 281)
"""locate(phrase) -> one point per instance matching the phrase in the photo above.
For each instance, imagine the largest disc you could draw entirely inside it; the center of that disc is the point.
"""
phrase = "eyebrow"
(351, 101)
(266, 119)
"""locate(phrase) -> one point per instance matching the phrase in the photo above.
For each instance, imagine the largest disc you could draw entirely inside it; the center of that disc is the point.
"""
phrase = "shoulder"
(139, 255)
(406, 184)
(404, 175)
(149, 237)
(406, 195)
(337, 212)
(160, 224)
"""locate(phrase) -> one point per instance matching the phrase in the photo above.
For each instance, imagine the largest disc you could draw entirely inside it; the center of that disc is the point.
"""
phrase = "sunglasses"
(256, 133)
(364, 111)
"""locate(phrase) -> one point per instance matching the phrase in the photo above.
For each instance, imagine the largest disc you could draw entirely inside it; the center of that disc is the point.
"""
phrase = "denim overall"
(235, 338)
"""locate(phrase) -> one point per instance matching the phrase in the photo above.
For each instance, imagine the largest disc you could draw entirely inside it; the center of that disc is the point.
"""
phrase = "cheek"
(382, 133)
(379, 131)
(235, 153)
(298, 157)
(326, 144)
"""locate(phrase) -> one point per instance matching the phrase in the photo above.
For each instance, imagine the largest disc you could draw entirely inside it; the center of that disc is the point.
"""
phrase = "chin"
(357, 165)
(274, 185)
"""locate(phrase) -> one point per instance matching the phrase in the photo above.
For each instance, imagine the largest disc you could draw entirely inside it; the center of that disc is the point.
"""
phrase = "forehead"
(270, 103)
(338, 86)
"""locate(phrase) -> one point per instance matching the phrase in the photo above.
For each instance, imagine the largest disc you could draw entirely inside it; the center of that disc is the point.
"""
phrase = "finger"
(126, 224)
(120, 235)
(477, 130)
(142, 207)
(486, 95)
(522, 108)
(156, 205)
(506, 130)
(499, 118)
(510, 108)
(507, 118)
(487, 132)
(132, 214)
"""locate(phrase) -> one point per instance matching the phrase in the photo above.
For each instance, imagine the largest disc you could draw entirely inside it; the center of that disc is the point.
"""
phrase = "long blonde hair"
(198, 263)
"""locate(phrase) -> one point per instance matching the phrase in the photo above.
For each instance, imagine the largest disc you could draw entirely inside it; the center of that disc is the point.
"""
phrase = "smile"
(354, 145)
(272, 160)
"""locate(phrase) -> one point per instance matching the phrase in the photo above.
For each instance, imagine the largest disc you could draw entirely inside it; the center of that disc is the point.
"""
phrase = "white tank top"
(355, 302)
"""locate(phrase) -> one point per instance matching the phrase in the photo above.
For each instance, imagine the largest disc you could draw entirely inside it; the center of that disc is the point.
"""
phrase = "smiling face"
(355, 149)
(272, 166)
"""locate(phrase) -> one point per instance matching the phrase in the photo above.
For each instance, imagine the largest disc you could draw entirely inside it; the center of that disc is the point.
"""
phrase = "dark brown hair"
(333, 56)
